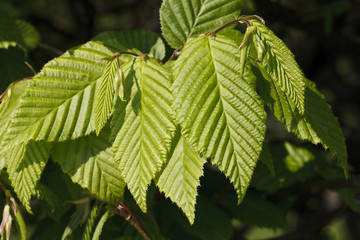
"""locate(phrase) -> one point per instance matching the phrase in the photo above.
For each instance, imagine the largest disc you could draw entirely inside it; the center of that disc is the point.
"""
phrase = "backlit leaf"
(182, 20)
(219, 112)
(143, 125)
(180, 177)
(90, 162)
(280, 65)
(25, 165)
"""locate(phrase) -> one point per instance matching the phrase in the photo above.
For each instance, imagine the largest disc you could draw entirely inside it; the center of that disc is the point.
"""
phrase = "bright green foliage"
(279, 64)
(100, 226)
(25, 165)
(220, 114)
(111, 115)
(183, 170)
(144, 124)
(182, 20)
(106, 95)
(90, 162)
(58, 105)
(9, 101)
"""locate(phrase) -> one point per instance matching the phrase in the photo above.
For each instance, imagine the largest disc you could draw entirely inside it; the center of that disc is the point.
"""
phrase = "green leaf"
(58, 104)
(25, 165)
(280, 65)
(90, 162)
(182, 20)
(76, 219)
(56, 192)
(100, 226)
(13, 67)
(29, 34)
(219, 112)
(143, 125)
(90, 222)
(10, 35)
(318, 124)
(180, 176)
(105, 95)
(136, 41)
(10, 99)
(19, 221)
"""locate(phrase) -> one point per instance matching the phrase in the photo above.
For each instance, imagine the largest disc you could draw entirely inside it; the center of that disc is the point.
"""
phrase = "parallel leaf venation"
(25, 164)
(281, 65)
(180, 176)
(61, 108)
(144, 126)
(90, 162)
(219, 112)
(185, 19)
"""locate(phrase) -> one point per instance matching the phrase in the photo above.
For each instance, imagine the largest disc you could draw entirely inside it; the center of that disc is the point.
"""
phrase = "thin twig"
(31, 67)
(126, 213)
(49, 48)
(223, 27)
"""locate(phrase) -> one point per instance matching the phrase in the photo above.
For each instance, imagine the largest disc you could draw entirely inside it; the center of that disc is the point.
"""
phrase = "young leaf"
(58, 105)
(219, 112)
(136, 41)
(100, 226)
(76, 219)
(19, 221)
(180, 176)
(90, 162)
(105, 95)
(182, 20)
(90, 223)
(25, 164)
(279, 64)
(143, 125)
(318, 124)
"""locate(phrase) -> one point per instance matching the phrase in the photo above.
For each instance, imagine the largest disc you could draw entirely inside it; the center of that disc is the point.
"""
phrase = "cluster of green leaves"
(113, 120)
